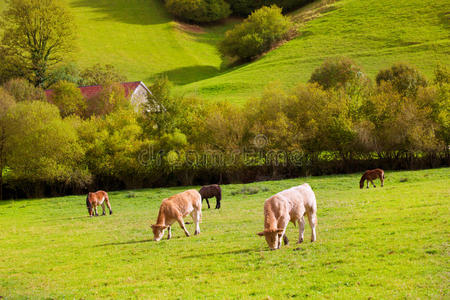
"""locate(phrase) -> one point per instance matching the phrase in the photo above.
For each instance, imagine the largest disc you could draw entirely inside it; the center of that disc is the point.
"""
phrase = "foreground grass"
(381, 243)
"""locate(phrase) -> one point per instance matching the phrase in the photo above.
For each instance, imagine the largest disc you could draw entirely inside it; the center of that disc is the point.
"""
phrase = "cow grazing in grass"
(289, 206)
(174, 209)
(371, 175)
(209, 191)
(95, 199)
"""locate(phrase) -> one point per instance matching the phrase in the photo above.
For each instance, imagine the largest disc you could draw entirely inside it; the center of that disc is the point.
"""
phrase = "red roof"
(92, 90)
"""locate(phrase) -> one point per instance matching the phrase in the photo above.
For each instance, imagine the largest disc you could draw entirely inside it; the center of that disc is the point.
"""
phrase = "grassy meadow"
(389, 242)
(143, 41)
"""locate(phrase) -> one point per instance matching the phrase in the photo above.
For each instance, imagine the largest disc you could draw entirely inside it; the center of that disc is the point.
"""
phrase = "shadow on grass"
(185, 75)
(241, 251)
(125, 243)
(140, 12)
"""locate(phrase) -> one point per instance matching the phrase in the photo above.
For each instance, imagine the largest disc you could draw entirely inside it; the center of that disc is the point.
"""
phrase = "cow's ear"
(260, 233)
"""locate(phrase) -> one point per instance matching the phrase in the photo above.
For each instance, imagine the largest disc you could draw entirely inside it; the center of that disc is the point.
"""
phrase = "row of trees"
(201, 11)
(339, 115)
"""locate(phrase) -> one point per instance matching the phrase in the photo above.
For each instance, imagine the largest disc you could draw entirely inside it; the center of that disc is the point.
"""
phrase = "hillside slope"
(142, 41)
(140, 38)
(375, 33)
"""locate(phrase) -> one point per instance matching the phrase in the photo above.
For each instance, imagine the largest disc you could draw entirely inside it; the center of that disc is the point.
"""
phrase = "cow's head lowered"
(158, 231)
(273, 237)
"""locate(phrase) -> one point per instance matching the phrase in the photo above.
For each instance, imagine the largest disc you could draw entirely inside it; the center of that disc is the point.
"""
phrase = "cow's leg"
(197, 216)
(217, 203)
(382, 181)
(285, 239)
(371, 181)
(312, 218)
(207, 202)
(95, 210)
(181, 222)
(301, 229)
(169, 232)
(103, 208)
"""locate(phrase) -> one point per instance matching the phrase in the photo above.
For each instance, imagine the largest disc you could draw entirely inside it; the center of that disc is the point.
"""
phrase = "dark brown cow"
(209, 191)
(371, 175)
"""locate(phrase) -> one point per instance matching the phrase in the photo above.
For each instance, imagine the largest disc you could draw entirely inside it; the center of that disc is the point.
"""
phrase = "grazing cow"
(289, 206)
(370, 175)
(174, 209)
(95, 199)
(209, 191)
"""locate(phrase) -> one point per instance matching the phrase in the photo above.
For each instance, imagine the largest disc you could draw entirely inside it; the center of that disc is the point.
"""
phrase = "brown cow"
(174, 209)
(95, 199)
(370, 175)
(209, 191)
(289, 206)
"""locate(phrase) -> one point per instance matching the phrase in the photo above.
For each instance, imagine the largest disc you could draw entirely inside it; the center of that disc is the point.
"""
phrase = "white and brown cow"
(289, 206)
(174, 209)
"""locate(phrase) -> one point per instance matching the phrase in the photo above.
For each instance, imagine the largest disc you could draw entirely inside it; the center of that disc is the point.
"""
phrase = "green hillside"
(375, 33)
(142, 40)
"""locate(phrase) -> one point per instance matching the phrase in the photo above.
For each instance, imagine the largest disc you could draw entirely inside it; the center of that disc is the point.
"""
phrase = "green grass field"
(389, 242)
(142, 41)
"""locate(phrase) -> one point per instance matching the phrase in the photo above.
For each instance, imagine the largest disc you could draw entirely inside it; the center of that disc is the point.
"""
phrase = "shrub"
(56, 153)
(100, 75)
(336, 72)
(245, 7)
(22, 90)
(404, 78)
(199, 10)
(110, 98)
(68, 72)
(68, 98)
(256, 34)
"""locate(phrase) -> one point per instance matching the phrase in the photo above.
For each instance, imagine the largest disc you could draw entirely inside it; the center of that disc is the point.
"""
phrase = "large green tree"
(38, 33)
(45, 147)
(6, 103)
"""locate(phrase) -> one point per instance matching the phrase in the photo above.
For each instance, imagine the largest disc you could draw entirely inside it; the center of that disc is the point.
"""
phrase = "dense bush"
(101, 74)
(337, 72)
(256, 34)
(245, 7)
(68, 72)
(45, 147)
(68, 98)
(404, 78)
(22, 90)
(199, 11)
(109, 99)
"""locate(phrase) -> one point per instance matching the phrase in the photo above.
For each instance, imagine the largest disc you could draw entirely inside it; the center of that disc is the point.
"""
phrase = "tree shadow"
(186, 75)
(140, 12)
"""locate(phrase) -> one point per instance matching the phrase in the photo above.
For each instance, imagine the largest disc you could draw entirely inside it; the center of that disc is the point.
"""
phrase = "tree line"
(338, 118)
(340, 121)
